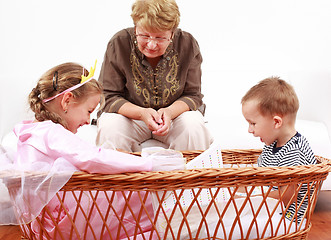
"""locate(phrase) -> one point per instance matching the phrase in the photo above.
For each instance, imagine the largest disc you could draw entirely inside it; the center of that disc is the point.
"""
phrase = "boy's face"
(259, 125)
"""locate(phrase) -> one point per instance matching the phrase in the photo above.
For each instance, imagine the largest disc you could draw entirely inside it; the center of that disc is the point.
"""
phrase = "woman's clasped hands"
(158, 122)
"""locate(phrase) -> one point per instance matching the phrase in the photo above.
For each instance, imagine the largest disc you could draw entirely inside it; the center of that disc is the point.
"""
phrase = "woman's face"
(153, 44)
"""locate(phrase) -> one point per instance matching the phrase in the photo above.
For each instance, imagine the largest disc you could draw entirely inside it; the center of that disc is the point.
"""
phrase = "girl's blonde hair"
(156, 15)
(275, 96)
(68, 75)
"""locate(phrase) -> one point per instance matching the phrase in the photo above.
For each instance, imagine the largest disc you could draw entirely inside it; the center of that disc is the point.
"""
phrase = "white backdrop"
(242, 42)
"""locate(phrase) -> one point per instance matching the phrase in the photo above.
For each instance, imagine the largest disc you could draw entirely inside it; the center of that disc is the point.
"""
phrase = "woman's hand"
(158, 122)
(152, 119)
(149, 116)
(166, 117)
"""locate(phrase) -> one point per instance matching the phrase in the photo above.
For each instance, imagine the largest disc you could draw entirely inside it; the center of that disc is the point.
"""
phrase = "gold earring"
(65, 111)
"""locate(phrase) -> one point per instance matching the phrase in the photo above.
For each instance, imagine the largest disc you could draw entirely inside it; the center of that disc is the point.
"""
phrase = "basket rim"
(289, 173)
(323, 166)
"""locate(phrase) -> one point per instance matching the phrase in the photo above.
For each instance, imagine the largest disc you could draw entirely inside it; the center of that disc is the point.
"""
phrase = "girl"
(62, 101)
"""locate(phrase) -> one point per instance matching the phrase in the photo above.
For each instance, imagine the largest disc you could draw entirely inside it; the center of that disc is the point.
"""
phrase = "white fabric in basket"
(212, 158)
(231, 225)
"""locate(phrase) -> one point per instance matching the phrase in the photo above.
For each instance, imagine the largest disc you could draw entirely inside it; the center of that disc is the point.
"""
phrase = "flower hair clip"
(82, 82)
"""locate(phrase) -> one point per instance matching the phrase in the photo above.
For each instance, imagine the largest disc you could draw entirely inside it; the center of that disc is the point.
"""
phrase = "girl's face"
(153, 45)
(78, 112)
(259, 125)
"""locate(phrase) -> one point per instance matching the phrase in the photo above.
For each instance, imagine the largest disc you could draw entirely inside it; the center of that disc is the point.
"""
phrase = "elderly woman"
(151, 75)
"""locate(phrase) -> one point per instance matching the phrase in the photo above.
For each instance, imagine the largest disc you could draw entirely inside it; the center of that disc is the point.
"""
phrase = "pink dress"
(46, 146)
(47, 142)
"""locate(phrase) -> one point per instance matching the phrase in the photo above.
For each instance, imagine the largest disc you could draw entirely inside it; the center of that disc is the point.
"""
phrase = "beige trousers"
(187, 132)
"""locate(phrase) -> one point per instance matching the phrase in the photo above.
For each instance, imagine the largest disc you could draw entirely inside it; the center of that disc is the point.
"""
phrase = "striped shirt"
(294, 153)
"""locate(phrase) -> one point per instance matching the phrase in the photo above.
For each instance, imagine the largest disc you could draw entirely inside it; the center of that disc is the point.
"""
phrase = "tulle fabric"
(27, 195)
(95, 222)
(47, 155)
(7, 215)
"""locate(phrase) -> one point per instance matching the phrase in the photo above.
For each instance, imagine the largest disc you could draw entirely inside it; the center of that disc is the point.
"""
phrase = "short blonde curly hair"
(156, 15)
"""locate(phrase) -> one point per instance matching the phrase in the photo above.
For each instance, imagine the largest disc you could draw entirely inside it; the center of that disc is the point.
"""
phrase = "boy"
(270, 107)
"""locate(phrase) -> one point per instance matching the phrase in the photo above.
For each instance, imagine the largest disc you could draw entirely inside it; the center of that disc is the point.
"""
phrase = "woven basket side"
(103, 218)
(225, 203)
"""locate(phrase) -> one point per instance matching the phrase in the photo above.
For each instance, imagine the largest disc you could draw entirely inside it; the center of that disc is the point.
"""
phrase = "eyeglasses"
(145, 39)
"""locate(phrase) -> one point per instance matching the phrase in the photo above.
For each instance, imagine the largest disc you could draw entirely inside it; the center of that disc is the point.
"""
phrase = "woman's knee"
(191, 121)
(110, 121)
(110, 126)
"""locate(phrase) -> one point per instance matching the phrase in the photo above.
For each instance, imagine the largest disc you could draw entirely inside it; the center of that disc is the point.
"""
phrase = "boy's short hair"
(275, 96)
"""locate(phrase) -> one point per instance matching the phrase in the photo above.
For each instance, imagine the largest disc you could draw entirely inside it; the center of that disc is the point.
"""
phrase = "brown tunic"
(126, 74)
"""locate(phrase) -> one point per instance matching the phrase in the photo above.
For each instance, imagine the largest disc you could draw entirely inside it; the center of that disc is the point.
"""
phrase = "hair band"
(82, 82)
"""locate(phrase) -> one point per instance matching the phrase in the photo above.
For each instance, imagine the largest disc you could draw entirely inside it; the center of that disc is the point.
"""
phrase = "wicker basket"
(214, 220)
